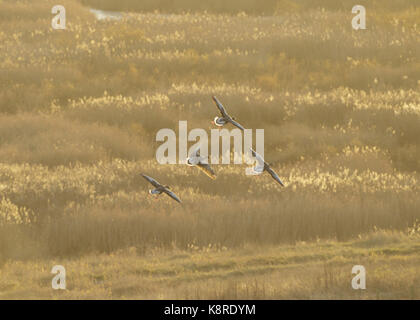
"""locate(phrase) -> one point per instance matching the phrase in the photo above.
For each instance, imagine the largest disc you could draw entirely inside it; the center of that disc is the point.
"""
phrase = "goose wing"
(261, 162)
(236, 124)
(221, 108)
(205, 167)
(274, 175)
(195, 153)
(172, 195)
(152, 181)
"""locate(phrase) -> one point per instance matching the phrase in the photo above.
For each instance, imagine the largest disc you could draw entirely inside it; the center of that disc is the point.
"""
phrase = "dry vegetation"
(80, 108)
(319, 270)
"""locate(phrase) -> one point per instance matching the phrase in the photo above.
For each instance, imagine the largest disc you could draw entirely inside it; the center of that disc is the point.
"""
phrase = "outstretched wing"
(274, 175)
(152, 181)
(221, 108)
(172, 195)
(207, 170)
(261, 162)
(236, 124)
(195, 153)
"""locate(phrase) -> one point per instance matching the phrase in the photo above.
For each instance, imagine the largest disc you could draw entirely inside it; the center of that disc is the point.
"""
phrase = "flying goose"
(160, 188)
(225, 118)
(264, 166)
(201, 163)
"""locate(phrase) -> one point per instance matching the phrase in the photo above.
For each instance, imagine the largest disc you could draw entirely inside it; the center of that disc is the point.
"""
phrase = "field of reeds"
(79, 113)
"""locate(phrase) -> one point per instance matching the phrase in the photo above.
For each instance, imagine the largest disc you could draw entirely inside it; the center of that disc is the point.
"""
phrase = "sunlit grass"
(318, 270)
(79, 113)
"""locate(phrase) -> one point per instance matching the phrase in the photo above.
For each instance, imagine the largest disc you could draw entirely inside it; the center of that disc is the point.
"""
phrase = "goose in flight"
(264, 166)
(160, 188)
(225, 118)
(201, 163)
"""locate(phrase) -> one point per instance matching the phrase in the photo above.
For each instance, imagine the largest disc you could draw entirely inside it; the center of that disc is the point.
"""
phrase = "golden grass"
(80, 109)
(319, 270)
(246, 6)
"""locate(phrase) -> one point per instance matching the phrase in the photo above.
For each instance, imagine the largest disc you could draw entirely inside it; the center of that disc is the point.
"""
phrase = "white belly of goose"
(155, 191)
(220, 122)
